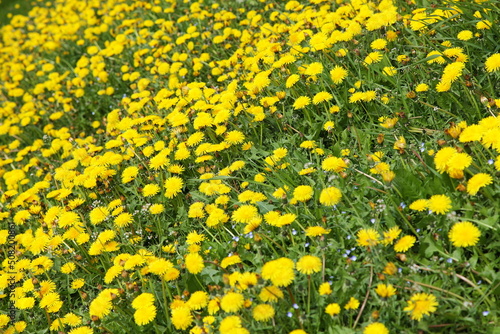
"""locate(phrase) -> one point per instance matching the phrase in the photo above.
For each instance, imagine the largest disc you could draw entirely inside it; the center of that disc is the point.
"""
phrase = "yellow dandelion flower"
(329, 126)
(385, 290)
(492, 64)
(270, 294)
(314, 69)
(422, 88)
(452, 72)
(338, 74)
(230, 260)
(332, 309)
(352, 304)
(263, 312)
(405, 243)
(129, 174)
(82, 330)
(68, 268)
(421, 304)
(325, 289)
(477, 182)
(232, 302)
(181, 317)
(334, 109)
(390, 71)
(150, 190)
(72, 319)
(465, 35)
(145, 315)
(301, 102)
(123, 219)
(378, 44)
(334, 164)
(235, 137)
(321, 97)
(25, 303)
(98, 215)
(390, 269)
(464, 234)
(173, 185)
(279, 272)
(156, 209)
(314, 231)
(198, 300)
(376, 328)
(402, 58)
(391, 235)
(442, 157)
(194, 263)
(373, 58)
(77, 283)
(245, 213)
(309, 264)
(472, 133)
(435, 57)
(194, 238)
(368, 237)
(330, 196)
(439, 204)
(292, 80)
(303, 193)
(232, 324)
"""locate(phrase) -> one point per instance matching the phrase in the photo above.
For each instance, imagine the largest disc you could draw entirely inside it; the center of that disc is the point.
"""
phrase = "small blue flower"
(485, 313)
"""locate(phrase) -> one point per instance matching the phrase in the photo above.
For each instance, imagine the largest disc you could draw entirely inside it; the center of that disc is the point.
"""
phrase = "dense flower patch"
(250, 166)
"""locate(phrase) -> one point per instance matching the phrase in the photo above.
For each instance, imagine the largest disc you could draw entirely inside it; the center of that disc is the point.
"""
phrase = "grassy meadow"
(249, 166)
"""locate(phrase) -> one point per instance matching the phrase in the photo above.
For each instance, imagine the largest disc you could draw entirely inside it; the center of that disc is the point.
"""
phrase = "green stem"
(297, 311)
(366, 298)
(308, 295)
(436, 288)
